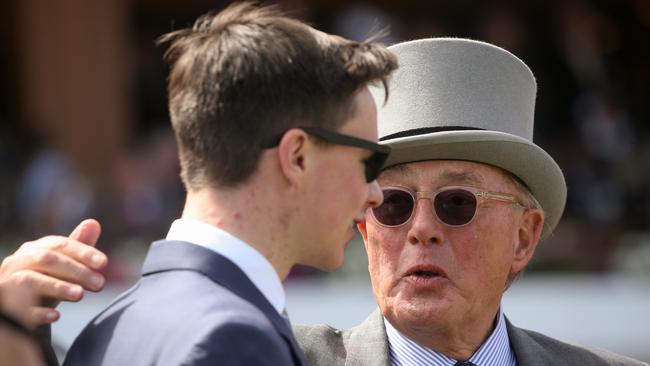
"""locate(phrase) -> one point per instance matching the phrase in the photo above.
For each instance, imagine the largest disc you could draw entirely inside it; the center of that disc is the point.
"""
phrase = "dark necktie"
(285, 317)
(464, 363)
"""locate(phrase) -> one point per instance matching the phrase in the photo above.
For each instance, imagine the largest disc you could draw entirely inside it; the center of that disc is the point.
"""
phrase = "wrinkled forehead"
(439, 173)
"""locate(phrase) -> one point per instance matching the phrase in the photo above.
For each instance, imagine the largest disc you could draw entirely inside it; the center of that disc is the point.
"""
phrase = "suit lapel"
(367, 343)
(527, 351)
(167, 255)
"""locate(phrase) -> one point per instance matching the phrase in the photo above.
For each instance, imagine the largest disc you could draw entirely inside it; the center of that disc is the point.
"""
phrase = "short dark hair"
(249, 73)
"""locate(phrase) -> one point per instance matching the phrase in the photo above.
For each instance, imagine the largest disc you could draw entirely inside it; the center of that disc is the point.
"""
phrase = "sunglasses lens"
(396, 208)
(455, 207)
(374, 164)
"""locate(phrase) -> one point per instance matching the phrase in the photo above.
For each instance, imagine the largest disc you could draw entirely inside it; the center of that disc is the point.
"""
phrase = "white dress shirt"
(258, 269)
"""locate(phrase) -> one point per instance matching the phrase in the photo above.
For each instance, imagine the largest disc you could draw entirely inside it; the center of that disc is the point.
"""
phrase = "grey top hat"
(460, 99)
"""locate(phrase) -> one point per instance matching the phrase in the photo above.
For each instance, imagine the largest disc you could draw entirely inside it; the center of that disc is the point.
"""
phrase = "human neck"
(239, 213)
(458, 341)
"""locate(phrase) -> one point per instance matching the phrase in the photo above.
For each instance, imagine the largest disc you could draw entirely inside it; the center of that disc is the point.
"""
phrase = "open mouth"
(425, 274)
(425, 271)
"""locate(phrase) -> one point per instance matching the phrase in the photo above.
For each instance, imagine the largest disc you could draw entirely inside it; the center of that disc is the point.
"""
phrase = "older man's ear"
(527, 238)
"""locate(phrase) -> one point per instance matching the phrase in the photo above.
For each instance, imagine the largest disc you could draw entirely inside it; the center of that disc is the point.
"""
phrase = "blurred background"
(84, 132)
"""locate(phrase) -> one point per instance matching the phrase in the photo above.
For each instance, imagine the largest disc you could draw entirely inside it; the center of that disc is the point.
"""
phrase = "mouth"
(425, 272)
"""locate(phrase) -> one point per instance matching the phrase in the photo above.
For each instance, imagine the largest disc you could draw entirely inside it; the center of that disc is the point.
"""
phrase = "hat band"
(426, 130)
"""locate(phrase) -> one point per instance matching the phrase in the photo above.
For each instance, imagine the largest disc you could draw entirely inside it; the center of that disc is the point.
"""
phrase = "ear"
(528, 235)
(291, 155)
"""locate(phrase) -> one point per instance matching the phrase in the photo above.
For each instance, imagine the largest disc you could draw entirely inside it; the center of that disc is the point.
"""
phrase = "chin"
(422, 311)
(327, 263)
(334, 264)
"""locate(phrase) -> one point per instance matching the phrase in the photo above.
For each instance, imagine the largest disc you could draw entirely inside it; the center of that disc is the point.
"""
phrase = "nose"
(375, 196)
(425, 228)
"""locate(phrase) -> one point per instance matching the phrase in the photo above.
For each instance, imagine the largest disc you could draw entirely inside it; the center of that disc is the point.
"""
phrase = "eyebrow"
(400, 170)
(447, 177)
(461, 177)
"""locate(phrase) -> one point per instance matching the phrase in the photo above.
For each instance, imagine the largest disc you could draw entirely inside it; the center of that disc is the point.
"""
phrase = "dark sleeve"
(240, 344)
(44, 336)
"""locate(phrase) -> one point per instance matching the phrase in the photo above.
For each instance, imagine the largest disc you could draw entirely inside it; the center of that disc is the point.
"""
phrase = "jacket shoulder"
(559, 352)
(365, 344)
(321, 344)
(146, 324)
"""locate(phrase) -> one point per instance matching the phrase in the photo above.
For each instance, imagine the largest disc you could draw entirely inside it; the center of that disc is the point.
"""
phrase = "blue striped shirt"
(495, 351)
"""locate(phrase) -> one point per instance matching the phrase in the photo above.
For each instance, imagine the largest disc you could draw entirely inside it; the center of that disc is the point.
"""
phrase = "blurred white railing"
(606, 311)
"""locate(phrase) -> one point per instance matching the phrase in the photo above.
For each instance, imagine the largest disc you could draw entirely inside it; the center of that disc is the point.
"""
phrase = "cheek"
(383, 248)
(349, 188)
(484, 255)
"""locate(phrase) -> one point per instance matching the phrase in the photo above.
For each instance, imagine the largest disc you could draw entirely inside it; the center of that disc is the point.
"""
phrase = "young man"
(277, 133)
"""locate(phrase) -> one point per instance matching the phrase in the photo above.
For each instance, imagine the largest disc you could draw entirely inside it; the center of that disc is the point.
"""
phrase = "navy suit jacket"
(191, 306)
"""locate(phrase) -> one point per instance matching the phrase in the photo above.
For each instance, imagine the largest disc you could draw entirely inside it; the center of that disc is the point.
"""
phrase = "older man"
(467, 198)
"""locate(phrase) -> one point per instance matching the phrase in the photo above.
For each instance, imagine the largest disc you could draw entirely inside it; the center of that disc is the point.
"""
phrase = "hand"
(54, 269)
(17, 343)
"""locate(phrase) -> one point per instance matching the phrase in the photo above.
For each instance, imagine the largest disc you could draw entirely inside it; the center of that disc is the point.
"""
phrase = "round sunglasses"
(454, 205)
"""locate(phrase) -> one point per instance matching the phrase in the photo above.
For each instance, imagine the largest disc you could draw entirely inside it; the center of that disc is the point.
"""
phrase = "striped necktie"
(464, 363)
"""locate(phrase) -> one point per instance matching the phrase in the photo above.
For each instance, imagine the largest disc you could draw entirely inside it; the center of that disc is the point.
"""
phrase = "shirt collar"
(258, 269)
(495, 351)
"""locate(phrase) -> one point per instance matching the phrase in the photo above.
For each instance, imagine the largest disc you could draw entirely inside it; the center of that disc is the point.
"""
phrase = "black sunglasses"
(454, 205)
(373, 164)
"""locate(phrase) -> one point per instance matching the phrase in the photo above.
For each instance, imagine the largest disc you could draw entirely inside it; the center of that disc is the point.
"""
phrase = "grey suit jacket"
(367, 345)
(191, 306)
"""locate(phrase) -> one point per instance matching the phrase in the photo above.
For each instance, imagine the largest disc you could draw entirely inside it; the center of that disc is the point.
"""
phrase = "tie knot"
(464, 363)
